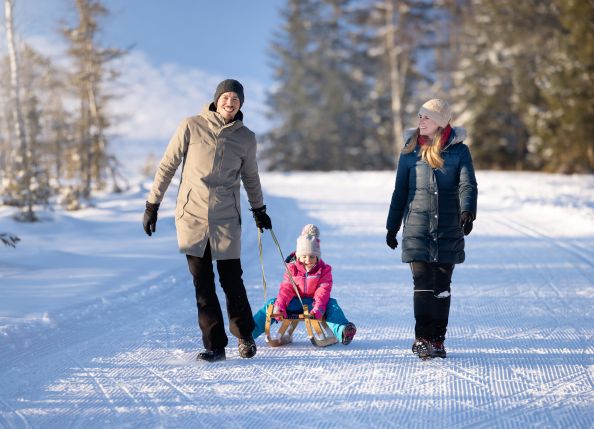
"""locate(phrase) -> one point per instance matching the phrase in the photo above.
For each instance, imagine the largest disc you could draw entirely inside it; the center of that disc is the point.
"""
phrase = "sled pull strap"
(295, 288)
(262, 262)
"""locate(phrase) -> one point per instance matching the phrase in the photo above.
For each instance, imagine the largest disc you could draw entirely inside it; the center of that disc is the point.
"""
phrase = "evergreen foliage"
(527, 78)
(59, 151)
(351, 75)
(349, 81)
(9, 239)
(91, 71)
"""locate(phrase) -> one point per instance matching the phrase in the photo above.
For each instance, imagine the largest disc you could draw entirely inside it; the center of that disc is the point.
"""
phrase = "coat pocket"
(182, 201)
(237, 205)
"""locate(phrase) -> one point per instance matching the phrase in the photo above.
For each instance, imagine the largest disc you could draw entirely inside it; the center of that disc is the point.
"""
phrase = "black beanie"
(229, 85)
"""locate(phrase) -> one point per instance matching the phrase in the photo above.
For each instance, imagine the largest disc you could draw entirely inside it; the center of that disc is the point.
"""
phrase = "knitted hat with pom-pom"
(308, 242)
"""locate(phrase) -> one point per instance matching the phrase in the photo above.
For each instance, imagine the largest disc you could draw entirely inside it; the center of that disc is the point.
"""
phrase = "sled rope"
(295, 288)
(262, 262)
(282, 258)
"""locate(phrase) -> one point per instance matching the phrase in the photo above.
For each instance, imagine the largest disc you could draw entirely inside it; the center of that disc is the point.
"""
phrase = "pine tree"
(314, 108)
(526, 75)
(348, 79)
(485, 89)
(395, 35)
(91, 73)
(562, 130)
(286, 146)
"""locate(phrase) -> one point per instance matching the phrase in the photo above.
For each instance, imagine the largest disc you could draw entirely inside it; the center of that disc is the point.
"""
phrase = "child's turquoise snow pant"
(335, 318)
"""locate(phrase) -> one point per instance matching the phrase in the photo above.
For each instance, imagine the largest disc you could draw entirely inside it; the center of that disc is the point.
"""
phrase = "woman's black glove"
(466, 222)
(391, 239)
(149, 222)
(262, 219)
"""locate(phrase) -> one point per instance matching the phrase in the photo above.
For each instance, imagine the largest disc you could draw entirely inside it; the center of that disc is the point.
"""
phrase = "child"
(313, 278)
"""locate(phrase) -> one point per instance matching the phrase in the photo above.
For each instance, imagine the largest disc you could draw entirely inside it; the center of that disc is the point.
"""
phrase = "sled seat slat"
(318, 331)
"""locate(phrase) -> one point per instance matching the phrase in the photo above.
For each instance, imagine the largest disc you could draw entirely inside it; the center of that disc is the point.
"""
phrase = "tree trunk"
(397, 70)
(17, 113)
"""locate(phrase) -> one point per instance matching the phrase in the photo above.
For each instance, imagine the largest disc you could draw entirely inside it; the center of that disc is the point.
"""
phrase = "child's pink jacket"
(316, 284)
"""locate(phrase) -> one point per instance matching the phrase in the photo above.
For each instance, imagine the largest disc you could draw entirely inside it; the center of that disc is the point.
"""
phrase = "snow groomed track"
(520, 343)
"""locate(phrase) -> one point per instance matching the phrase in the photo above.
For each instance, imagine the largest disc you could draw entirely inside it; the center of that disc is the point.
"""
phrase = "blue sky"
(180, 50)
(229, 37)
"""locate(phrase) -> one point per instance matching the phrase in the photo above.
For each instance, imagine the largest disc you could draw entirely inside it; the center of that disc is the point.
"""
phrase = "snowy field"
(98, 321)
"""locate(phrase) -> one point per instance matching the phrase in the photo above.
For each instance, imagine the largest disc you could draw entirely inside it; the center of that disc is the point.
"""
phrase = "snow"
(98, 321)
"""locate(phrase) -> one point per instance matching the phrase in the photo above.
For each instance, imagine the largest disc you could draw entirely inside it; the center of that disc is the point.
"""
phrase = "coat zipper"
(305, 283)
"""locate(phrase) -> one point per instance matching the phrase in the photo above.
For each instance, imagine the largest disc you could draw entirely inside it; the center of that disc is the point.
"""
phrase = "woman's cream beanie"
(438, 110)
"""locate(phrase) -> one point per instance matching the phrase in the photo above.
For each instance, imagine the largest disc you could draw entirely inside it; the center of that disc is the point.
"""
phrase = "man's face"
(228, 105)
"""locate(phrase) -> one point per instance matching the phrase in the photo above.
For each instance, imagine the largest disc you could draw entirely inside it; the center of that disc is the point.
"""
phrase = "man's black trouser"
(431, 299)
(210, 317)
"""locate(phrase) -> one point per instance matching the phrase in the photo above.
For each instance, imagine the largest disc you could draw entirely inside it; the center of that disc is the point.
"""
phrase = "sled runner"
(318, 331)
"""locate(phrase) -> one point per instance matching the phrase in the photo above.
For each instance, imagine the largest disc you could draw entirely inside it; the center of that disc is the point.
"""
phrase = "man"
(215, 151)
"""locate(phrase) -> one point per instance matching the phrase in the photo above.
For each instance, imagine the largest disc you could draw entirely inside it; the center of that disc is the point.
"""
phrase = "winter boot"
(422, 348)
(348, 334)
(438, 349)
(212, 355)
(247, 347)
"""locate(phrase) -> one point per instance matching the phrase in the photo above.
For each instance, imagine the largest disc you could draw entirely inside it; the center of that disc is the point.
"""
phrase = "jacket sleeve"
(323, 290)
(467, 187)
(285, 292)
(250, 176)
(172, 157)
(399, 197)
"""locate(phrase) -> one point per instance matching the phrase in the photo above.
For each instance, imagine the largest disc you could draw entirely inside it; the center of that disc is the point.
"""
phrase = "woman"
(215, 150)
(436, 197)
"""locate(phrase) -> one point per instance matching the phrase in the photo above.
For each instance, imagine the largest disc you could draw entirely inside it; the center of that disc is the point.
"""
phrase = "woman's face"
(228, 105)
(427, 126)
(308, 261)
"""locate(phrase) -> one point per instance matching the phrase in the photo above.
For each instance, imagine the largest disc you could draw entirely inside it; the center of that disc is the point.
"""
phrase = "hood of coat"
(458, 135)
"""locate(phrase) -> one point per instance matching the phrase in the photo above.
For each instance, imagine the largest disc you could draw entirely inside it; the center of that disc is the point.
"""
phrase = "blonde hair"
(430, 152)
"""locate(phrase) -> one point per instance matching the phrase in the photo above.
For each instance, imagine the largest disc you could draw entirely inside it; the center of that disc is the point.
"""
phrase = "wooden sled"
(318, 331)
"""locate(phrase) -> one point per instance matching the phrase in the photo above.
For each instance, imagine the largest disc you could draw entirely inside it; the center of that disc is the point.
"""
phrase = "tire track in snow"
(522, 228)
(100, 334)
(20, 416)
(84, 321)
(141, 403)
(557, 379)
(518, 407)
(528, 256)
(179, 390)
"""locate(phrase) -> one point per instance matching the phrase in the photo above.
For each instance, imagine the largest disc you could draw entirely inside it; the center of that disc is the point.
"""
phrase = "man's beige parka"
(208, 202)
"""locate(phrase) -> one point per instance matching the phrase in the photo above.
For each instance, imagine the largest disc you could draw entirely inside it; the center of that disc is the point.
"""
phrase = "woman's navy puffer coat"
(430, 201)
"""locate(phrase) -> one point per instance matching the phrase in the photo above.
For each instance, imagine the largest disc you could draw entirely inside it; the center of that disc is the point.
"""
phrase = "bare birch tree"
(23, 161)
(398, 63)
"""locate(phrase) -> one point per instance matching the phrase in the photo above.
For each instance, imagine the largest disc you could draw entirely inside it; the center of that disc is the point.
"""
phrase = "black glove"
(149, 222)
(391, 239)
(262, 219)
(466, 222)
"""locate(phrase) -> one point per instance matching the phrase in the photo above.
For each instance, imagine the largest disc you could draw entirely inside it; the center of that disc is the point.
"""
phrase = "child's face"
(308, 260)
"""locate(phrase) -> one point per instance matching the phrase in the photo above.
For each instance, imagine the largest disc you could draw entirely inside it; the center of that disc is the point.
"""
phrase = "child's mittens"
(279, 310)
(316, 312)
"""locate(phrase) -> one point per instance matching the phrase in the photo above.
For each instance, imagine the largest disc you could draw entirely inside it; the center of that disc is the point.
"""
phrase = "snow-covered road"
(112, 343)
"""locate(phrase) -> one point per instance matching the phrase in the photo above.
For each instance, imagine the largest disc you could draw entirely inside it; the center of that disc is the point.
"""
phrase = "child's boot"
(349, 333)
